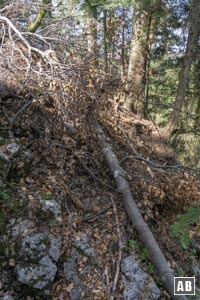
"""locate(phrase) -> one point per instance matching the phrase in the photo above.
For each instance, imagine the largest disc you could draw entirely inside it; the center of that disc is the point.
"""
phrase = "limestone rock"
(137, 284)
(52, 206)
(39, 276)
(13, 148)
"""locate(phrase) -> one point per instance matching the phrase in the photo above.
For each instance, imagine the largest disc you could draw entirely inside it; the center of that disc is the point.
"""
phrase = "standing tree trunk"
(182, 86)
(123, 45)
(136, 69)
(197, 95)
(91, 37)
(105, 41)
(91, 28)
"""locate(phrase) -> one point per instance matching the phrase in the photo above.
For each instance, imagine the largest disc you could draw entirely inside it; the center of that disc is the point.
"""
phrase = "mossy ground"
(11, 207)
(181, 229)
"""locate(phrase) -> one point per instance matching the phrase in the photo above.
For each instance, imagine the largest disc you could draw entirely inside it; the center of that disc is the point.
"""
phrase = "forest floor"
(72, 169)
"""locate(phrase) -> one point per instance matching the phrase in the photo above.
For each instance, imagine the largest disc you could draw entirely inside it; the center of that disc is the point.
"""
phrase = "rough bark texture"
(105, 40)
(91, 35)
(197, 95)
(92, 39)
(136, 72)
(182, 87)
(123, 44)
(146, 236)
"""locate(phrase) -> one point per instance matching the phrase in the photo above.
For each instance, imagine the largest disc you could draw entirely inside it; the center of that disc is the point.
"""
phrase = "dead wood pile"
(60, 105)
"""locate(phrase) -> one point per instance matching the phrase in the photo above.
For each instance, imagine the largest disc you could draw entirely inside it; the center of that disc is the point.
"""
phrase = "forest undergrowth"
(71, 167)
(53, 114)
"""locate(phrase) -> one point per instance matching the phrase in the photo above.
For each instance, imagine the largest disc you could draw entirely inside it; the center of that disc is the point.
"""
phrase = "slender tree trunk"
(197, 96)
(123, 44)
(112, 43)
(190, 48)
(147, 85)
(92, 38)
(41, 14)
(136, 69)
(105, 41)
(146, 67)
(91, 28)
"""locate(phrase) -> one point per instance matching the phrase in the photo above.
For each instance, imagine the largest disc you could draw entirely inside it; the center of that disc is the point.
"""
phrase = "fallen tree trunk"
(145, 234)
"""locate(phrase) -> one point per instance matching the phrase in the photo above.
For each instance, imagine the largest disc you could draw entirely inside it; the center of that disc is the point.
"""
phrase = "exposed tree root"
(145, 234)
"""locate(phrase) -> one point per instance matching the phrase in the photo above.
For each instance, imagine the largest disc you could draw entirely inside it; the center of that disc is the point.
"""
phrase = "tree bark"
(136, 69)
(156, 255)
(105, 41)
(190, 48)
(197, 95)
(92, 33)
(91, 36)
(123, 45)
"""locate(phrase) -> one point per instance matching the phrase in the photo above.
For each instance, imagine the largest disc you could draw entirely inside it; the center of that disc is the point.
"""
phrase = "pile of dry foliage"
(56, 105)
(61, 101)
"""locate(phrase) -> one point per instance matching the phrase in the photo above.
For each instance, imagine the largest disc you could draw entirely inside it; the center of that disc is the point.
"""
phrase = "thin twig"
(20, 35)
(20, 111)
(150, 163)
(153, 165)
(98, 179)
(69, 213)
(6, 7)
(87, 169)
(92, 218)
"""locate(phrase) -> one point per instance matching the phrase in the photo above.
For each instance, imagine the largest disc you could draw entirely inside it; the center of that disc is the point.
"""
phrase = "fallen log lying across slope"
(145, 234)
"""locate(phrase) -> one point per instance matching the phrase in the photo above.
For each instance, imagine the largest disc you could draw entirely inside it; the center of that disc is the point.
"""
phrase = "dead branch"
(93, 176)
(21, 53)
(24, 107)
(92, 218)
(75, 199)
(23, 40)
(145, 234)
(7, 7)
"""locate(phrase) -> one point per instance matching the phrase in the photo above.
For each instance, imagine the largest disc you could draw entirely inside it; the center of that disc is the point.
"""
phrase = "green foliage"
(150, 267)
(131, 244)
(10, 207)
(47, 196)
(162, 91)
(143, 254)
(181, 228)
(158, 282)
(194, 252)
(3, 222)
(4, 197)
(117, 3)
(4, 194)
(90, 7)
(52, 223)
(140, 250)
